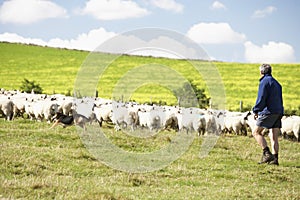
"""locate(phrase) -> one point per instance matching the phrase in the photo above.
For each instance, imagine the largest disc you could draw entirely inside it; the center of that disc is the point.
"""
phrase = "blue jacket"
(269, 98)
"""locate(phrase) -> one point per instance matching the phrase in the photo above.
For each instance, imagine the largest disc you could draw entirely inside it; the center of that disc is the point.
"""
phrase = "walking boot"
(267, 157)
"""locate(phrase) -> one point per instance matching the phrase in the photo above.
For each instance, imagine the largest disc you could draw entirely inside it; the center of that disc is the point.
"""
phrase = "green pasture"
(56, 71)
(38, 163)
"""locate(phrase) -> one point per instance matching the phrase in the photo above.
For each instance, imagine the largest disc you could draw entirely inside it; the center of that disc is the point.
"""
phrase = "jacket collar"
(264, 76)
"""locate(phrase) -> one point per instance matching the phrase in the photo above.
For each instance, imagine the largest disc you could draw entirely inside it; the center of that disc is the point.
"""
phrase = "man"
(268, 111)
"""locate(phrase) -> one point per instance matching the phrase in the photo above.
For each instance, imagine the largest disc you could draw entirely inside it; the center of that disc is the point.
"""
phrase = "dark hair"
(265, 69)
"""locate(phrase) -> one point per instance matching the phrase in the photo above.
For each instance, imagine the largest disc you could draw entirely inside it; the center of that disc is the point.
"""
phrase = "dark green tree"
(189, 95)
(29, 86)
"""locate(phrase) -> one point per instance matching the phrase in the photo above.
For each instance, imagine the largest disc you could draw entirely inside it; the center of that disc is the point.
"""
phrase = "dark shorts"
(269, 121)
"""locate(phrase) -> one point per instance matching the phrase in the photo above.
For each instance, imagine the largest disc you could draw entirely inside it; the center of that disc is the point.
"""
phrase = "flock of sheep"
(132, 116)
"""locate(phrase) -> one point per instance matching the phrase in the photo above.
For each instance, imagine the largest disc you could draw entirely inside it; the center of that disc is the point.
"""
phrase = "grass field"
(56, 71)
(38, 163)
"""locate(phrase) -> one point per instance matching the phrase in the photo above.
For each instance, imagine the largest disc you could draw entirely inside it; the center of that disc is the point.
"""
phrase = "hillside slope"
(56, 71)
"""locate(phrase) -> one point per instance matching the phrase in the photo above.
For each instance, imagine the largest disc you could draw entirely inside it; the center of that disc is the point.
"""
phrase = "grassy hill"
(38, 163)
(56, 70)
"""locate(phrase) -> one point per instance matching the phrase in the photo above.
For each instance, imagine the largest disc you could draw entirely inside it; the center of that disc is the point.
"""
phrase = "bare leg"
(274, 132)
(257, 134)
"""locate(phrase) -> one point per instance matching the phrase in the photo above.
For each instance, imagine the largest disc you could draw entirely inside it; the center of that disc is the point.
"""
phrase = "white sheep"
(291, 126)
(103, 112)
(250, 121)
(50, 108)
(150, 118)
(122, 117)
(7, 108)
(235, 123)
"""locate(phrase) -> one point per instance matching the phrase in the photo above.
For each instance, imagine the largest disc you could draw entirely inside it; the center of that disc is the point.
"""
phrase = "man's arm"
(261, 100)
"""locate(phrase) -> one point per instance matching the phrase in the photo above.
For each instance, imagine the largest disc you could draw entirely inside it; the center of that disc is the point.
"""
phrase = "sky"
(247, 31)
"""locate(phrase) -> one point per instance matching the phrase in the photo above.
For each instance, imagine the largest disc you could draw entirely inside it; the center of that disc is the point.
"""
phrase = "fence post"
(241, 106)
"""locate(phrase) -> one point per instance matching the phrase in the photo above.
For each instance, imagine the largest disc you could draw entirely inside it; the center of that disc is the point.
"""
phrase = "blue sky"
(248, 31)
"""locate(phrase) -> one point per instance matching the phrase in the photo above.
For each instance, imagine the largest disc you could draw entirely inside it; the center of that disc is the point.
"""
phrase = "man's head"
(265, 69)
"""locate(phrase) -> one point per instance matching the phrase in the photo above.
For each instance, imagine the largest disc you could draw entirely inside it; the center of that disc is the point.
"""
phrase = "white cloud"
(113, 9)
(85, 41)
(168, 5)
(15, 38)
(133, 45)
(269, 53)
(217, 5)
(29, 11)
(263, 13)
(215, 33)
(161, 46)
(104, 41)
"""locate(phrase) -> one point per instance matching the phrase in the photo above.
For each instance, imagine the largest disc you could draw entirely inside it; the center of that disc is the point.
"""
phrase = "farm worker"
(268, 111)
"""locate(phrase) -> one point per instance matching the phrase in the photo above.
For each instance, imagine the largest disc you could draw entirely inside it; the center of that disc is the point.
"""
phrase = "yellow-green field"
(56, 71)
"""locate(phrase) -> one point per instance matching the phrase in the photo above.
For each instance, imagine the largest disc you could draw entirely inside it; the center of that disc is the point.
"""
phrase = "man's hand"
(255, 116)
